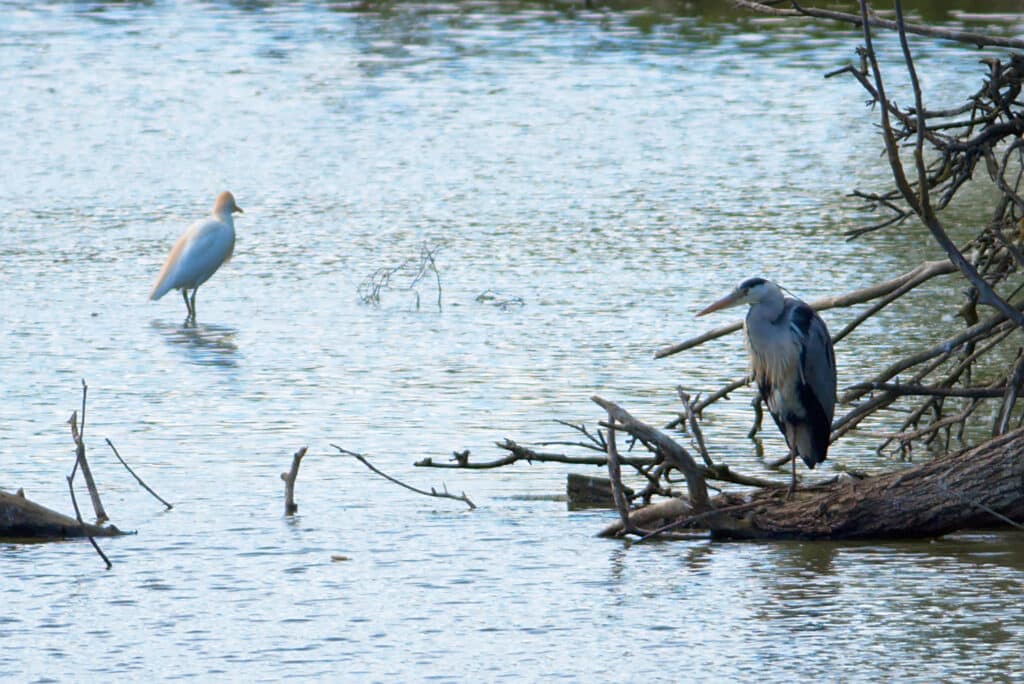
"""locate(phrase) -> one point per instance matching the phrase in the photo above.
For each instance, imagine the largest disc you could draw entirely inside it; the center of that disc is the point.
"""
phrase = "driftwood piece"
(290, 507)
(21, 518)
(654, 516)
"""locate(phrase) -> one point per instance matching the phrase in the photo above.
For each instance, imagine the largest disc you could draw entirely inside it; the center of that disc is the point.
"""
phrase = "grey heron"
(793, 363)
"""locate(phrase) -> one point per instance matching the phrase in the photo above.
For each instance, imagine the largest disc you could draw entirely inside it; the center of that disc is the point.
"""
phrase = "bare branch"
(78, 516)
(969, 37)
(433, 492)
(137, 478)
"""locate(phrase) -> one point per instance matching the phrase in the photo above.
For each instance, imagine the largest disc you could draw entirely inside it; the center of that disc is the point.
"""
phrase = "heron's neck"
(769, 308)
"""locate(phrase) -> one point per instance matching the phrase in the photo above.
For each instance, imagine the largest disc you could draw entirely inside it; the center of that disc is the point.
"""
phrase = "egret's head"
(225, 205)
(750, 291)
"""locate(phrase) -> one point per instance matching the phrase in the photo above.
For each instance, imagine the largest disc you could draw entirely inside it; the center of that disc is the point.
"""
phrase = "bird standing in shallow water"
(198, 253)
(793, 363)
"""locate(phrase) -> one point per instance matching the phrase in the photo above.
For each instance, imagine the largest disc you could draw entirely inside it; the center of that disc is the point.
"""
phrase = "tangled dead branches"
(406, 276)
(967, 382)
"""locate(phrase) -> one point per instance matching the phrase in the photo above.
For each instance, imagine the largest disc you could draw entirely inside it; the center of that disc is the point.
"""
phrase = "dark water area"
(613, 169)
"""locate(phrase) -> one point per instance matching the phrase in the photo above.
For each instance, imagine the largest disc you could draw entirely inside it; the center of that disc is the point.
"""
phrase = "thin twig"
(691, 418)
(442, 494)
(81, 462)
(137, 478)
(78, 516)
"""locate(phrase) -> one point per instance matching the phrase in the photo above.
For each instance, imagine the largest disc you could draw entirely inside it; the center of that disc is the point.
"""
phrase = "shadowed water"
(615, 169)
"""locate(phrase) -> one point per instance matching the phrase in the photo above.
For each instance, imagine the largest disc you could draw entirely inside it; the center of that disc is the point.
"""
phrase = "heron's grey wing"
(817, 386)
(819, 364)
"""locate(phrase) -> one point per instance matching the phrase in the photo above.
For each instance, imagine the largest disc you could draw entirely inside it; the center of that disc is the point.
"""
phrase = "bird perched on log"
(198, 253)
(793, 363)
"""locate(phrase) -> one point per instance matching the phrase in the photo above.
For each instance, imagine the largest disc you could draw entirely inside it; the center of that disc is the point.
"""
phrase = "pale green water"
(615, 170)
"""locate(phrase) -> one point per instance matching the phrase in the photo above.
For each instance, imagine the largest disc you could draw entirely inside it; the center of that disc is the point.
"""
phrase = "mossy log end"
(975, 489)
(21, 518)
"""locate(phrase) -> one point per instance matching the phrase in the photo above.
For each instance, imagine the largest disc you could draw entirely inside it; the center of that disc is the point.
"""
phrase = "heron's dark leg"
(791, 442)
(193, 306)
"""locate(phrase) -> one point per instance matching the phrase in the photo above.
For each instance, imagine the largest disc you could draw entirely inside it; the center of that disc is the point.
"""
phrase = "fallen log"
(980, 488)
(21, 518)
(587, 491)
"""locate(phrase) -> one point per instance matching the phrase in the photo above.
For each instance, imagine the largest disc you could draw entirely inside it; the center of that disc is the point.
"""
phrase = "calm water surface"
(614, 170)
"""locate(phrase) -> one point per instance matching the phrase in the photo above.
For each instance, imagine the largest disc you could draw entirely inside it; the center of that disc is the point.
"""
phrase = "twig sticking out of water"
(405, 276)
(80, 461)
(290, 507)
(433, 492)
(78, 516)
(137, 478)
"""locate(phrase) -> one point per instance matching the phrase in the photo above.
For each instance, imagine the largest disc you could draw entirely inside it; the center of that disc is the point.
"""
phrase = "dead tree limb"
(290, 507)
(667, 448)
(615, 475)
(518, 452)
(433, 492)
(22, 518)
(690, 416)
(968, 37)
(78, 435)
(977, 488)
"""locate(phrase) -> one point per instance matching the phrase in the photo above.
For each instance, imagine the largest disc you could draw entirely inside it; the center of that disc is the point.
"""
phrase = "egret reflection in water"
(203, 344)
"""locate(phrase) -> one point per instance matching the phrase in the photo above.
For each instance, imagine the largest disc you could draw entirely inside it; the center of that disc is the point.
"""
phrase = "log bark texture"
(979, 488)
(21, 518)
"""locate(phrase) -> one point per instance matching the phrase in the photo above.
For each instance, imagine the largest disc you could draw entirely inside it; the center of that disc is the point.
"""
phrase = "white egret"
(793, 363)
(198, 253)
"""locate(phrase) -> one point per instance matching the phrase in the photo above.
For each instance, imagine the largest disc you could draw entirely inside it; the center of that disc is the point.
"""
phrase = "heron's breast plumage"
(775, 364)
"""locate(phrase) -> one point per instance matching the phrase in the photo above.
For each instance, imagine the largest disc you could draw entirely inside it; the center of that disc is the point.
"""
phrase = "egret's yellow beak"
(734, 298)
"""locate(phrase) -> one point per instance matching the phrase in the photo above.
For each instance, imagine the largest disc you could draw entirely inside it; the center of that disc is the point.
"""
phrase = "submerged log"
(21, 518)
(983, 487)
(589, 491)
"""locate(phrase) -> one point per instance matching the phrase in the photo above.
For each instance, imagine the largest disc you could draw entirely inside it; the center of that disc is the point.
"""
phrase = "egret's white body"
(793, 363)
(199, 252)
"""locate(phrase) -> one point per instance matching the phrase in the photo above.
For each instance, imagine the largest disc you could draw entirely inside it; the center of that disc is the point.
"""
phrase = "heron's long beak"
(238, 209)
(734, 298)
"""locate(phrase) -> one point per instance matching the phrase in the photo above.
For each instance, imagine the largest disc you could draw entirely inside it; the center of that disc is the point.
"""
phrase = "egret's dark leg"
(193, 307)
(188, 307)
